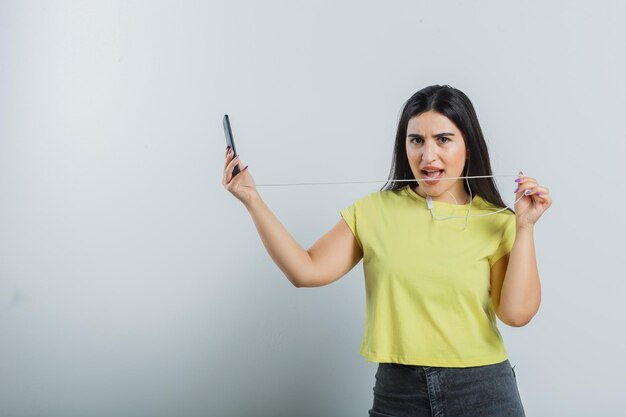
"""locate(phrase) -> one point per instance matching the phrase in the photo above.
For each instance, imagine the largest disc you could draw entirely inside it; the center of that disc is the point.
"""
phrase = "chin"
(432, 191)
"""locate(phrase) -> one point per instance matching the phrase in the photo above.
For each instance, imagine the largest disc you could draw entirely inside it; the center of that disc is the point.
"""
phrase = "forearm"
(284, 250)
(521, 289)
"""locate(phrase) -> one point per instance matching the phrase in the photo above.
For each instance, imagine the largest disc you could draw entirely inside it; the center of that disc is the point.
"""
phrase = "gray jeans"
(430, 391)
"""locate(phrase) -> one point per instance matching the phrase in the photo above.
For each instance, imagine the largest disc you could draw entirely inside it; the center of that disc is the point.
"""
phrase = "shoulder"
(379, 198)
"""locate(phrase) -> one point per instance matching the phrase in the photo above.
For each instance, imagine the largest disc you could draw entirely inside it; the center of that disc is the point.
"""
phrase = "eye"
(414, 139)
(446, 139)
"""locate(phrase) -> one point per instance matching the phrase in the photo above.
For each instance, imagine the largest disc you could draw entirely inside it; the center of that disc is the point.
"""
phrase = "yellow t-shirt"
(428, 282)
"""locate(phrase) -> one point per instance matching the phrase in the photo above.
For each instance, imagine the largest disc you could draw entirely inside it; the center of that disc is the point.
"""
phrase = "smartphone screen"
(230, 141)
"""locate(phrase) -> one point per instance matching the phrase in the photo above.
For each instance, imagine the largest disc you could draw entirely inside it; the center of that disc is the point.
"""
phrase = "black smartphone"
(230, 141)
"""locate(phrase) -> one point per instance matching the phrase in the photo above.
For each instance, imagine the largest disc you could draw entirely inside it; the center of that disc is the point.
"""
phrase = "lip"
(425, 179)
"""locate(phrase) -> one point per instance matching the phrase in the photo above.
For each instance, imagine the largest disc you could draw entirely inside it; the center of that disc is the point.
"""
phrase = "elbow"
(305, 284)
(517, 319)
(518, 316)
(295, 282)
(519, 322)
(298, 284)
(301, 282)
(310, 282)
(306, 279)
(301, 278)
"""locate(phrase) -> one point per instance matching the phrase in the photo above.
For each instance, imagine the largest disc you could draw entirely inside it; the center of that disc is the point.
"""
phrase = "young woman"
(442, 258)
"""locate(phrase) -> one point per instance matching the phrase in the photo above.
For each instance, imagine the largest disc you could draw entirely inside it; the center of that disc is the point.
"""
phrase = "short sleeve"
(506, 241)
(350, 214)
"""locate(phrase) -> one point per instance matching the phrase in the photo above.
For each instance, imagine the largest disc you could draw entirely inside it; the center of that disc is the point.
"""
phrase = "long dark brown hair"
(457, 107)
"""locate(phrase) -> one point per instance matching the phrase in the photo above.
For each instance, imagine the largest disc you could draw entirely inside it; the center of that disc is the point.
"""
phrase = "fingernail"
(516, 190)
(520, 173)
(245, 168)
(537, 193)
(527, 192)
(519, 180)
(228, 148)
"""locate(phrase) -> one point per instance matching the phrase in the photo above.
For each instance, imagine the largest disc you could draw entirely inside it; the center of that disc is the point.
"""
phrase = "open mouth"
(432, 177)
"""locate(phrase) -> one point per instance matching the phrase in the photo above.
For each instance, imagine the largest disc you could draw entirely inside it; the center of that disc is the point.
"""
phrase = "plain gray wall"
(133, 284)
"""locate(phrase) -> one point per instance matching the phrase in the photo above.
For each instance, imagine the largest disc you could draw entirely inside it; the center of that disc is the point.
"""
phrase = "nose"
(428, 152)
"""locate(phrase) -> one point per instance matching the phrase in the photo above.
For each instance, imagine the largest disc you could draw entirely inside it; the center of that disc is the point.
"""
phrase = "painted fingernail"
(228, 148)
(516, 190)
(537, 193)
(519, 180)
(245, 168)
(527, 192)
(520, 173)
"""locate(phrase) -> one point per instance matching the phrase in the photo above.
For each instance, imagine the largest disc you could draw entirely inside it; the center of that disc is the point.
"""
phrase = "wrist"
(522, 228)
(254, 201)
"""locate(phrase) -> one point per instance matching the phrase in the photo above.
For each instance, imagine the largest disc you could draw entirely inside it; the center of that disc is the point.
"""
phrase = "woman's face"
(433, 143)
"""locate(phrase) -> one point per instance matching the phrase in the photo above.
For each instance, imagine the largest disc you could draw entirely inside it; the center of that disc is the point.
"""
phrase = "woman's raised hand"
(241, 185)
(536, 200)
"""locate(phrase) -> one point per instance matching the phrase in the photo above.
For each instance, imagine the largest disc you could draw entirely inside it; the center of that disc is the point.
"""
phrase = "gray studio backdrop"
(133, 284)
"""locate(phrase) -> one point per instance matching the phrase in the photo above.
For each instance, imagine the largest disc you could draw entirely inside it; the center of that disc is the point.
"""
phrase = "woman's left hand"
(536, 200)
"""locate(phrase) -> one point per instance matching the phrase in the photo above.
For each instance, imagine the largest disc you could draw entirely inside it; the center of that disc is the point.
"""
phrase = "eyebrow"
(438, 135)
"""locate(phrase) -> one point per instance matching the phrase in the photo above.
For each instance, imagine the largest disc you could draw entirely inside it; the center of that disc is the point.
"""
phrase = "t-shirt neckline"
(409, 190)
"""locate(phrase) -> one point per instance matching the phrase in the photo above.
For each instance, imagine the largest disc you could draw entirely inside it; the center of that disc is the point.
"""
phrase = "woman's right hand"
(241, 185)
